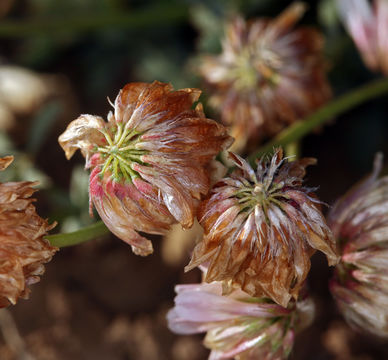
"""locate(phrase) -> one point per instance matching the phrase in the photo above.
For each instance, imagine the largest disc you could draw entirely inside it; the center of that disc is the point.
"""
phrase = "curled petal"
(83, 133)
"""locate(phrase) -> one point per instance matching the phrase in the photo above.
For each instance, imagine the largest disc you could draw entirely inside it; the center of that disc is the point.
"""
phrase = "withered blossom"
(238, 326)
(368, 27)
(267, 76)
(360, 285)
(23, 250)
(261, 228)
(149, 162)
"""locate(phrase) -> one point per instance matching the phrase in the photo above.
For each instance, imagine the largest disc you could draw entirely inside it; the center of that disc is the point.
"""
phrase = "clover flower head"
(148, 161)
(23, 250)
(238, 326)
(261, 228)
(267, 76)
(360, 285)
(368, 26)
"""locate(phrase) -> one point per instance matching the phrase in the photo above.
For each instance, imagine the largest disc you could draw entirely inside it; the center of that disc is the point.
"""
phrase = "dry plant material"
(360, 221)
(149, 162)
(238, 326)
(267, 76)
(261, 228)
(23, 250)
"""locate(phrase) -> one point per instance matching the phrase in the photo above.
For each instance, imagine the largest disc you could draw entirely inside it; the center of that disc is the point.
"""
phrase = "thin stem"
(336, 107)
(91, 232)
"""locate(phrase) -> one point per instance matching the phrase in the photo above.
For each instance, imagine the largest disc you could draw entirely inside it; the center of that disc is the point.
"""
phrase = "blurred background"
(98, 300)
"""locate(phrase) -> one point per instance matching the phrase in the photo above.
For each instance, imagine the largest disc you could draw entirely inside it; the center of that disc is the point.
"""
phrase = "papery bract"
(360, 221)
(149, 162)
(267, 76)
(261, 228)
(238, 326)
(23, 250)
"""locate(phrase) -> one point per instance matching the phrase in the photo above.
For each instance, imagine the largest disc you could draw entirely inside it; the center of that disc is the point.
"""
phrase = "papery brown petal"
(82, 133)
(5, 162)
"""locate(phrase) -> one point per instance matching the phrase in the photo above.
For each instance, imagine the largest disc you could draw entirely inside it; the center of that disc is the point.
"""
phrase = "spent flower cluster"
(152, 165)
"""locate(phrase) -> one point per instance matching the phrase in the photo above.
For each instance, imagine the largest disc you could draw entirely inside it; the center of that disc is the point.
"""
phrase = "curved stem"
(91, 232)
(336, 107)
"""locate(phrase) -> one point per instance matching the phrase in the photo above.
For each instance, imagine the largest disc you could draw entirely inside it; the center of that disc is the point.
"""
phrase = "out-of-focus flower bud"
(150, 162)
(238, 326)
(23, 250)
(368, 27)
(360, 221)
(267, 76)
(261, 229)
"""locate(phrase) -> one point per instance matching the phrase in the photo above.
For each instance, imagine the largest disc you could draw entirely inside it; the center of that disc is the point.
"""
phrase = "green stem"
(91, 232)
(150, 16)
(336, 107)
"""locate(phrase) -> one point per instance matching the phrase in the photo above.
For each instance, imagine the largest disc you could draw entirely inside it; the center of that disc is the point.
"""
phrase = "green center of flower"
(120, 153)
(260, 194)
(255, 68)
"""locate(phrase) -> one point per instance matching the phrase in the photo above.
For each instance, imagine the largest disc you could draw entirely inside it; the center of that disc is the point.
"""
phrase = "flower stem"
(336, 107)
(91, 232)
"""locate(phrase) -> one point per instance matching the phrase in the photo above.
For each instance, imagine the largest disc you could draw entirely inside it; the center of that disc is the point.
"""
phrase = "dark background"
(98, 300)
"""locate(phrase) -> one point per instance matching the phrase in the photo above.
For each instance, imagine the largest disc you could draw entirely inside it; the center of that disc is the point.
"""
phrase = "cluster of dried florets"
(360, 221)
(261, 228)
(23, 250)
(238, 325)
(149, 161)
(267, 76)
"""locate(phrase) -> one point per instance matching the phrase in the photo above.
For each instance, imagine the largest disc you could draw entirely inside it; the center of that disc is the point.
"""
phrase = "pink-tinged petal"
(360, 285)
(237, 325)
(114, 216)
(360, 21)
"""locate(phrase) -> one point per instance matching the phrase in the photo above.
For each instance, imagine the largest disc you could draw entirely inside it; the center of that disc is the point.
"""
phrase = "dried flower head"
(368, 27)
(267, 76)
(23, 250)
(148, 161)
(261, 229)
(238, 326)
(360, 221)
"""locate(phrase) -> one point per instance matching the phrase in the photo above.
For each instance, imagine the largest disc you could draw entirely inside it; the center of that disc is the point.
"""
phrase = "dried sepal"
(149, 162)
(261, 228)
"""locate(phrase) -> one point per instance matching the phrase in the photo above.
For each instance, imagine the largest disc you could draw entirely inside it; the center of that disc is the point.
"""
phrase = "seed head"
(148, 161)
(261, 228)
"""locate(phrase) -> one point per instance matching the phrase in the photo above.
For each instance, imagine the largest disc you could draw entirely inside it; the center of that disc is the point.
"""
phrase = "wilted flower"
(261, 229)
(368, 27)
(238, 325)
(267, 76)
(149, 161)
(23, 250)
(360, 221)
